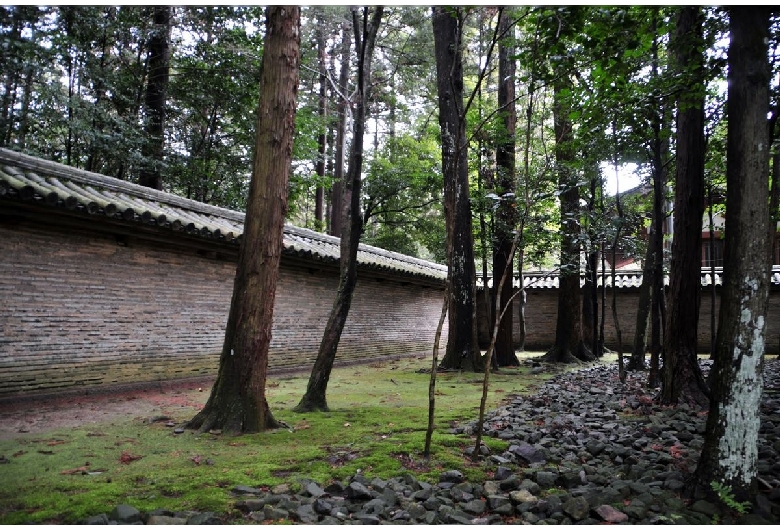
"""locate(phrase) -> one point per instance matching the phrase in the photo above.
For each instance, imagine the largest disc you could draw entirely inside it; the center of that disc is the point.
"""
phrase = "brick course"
(81, 309)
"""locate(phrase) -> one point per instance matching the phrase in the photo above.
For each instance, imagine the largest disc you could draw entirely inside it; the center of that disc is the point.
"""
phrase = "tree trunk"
(568, 345)
(730, 452)
(461, 271)
(156, 96)
(237, 403)
(639, 349)
(506, 216)
(682, 377)
(314, 399)
(337, 192)
(322, 147)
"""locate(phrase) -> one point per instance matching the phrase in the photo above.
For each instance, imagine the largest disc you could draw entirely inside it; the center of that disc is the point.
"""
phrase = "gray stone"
(314, 490)
(527, 453)
(495, 501)
(272, 513)
(453, 475)
(476, 507)
(502, 473)
(322, 506)
(577, 508)
(165, 519)
(356, 490)
(367, 519)
(204, 518)
(595, 447)
(546, 479)
(96, 519)
(306, 514)
(125, 514)
(250, 505)
(521, 496)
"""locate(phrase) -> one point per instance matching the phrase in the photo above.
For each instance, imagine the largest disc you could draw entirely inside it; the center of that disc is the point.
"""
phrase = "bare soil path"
(52, 413)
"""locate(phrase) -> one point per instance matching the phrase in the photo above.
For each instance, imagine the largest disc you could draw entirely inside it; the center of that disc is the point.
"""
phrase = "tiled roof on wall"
(624, 279)
(29, 179)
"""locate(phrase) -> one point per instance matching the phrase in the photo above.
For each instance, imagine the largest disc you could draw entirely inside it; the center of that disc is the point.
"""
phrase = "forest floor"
(559, 414)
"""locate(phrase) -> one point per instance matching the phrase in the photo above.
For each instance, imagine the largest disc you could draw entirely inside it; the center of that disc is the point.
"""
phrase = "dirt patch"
(179, 402)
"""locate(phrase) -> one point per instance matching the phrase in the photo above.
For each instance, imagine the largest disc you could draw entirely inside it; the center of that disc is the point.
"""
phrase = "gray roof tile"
(27, 178)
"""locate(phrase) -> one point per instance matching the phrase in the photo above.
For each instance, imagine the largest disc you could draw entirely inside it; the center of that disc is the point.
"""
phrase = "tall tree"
(682, 378)
(156, 97)
(730, 451)
(506, 217)
(237, 403)
(337, 193)
(322, 145)
(461, 352)
(366, 28)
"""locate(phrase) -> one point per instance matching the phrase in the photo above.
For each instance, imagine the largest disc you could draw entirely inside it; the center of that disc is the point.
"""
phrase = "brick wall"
(81, 309)
(542, 310)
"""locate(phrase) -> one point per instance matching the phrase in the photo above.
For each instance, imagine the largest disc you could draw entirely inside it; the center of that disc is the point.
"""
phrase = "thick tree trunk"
(682, 377)
(337, 192)
(237, 403)
(506, 215)
(730, 452)
(156, 96)
(315, 399)
(461, 353)
(568, 345)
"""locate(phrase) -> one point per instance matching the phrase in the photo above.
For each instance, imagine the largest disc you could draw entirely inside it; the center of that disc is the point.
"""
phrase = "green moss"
(377, 425)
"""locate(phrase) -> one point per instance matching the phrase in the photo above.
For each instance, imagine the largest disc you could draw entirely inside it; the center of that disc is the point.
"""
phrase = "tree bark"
(322, 146)
(315, 399)
(568, 346)
(237, 403)
(461, 271)
(682, 377)
(337, 192)
(156, 96)
(730, 452)
(506, 214)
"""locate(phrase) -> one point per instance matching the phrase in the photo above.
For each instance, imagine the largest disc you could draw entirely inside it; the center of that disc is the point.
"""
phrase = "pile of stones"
(585, 449)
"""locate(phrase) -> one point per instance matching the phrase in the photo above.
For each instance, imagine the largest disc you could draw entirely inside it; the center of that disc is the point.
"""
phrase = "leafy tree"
(237, 403)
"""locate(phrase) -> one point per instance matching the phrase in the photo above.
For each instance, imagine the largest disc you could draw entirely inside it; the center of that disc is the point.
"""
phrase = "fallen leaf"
(55, 442)
(196, 459)
(128, 457)
(20, 453)
(301, 425)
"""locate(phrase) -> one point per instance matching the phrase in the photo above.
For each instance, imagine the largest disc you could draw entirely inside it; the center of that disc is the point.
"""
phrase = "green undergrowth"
(376, 425)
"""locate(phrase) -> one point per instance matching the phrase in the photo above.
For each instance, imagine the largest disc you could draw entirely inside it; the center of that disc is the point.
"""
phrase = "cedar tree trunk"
(730, 450)
(506, 216)
(314, 398)
(682, 377)
(237, 402)
(461, 271)
(337, 192)
(156, 96)
(568, 346)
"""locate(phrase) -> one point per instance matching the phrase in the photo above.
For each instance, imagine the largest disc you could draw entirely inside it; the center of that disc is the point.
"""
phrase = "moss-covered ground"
(377, 424)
